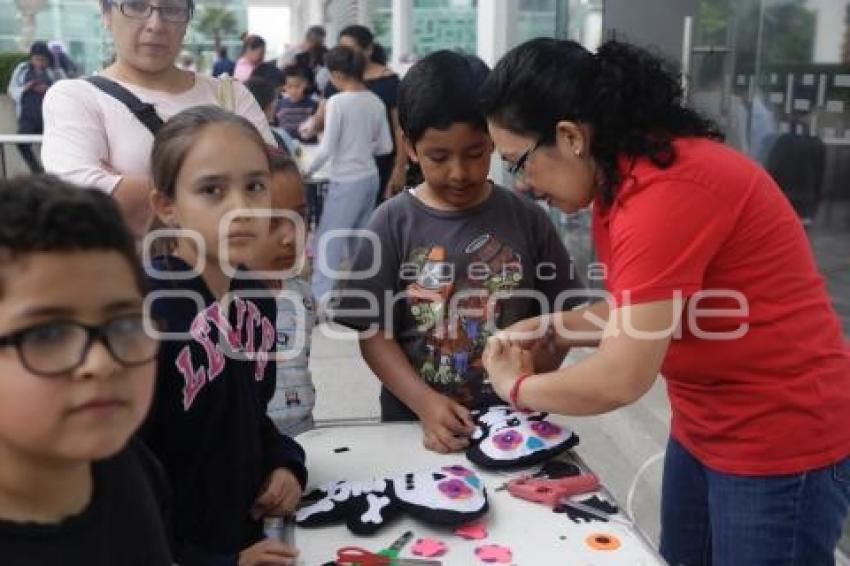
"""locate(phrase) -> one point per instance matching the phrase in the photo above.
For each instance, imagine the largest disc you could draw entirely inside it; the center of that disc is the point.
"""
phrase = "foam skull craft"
(506, 438)
(447, 496)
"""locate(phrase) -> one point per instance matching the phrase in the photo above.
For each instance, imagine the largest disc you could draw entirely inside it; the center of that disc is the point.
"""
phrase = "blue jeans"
(710, 517)
(347, 205)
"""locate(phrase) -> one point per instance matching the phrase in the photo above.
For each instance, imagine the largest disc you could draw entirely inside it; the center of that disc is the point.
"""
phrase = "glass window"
(537, 18)
(77, 24)
(579, 20)
(444, 24)
(382, 24)
(775, 75)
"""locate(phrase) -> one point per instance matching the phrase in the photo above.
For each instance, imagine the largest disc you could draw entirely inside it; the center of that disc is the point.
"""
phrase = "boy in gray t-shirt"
(453, 259)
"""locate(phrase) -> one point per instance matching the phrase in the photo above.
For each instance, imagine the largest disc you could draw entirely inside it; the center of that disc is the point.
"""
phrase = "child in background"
(296, 106)
(77, 372)
(356, 130)
(291, 408)
(265, 93)
(465, 255)
(228, 465)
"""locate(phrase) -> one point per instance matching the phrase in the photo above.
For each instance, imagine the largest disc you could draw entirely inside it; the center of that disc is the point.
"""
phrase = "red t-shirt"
(776, 398)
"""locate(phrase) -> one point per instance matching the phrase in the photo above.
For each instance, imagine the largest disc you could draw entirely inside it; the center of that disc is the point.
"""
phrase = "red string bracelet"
(515, 390)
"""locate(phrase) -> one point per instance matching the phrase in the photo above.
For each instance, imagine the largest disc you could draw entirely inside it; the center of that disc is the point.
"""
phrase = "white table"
(6, 139)
(536, 535)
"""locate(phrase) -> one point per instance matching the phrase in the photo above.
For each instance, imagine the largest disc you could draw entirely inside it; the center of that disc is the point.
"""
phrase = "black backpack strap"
(144, 112)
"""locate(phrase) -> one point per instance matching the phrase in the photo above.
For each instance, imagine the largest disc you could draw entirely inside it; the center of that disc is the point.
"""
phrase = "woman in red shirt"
(710, 281)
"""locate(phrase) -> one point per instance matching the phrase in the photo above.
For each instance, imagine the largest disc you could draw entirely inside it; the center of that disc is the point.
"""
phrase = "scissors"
(351, 555)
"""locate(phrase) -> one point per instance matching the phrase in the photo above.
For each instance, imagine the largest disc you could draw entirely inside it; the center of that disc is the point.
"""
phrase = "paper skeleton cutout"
(505, 438)
(447, 496)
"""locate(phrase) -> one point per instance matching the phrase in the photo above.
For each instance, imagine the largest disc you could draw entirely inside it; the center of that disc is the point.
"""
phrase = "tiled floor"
(831, 244)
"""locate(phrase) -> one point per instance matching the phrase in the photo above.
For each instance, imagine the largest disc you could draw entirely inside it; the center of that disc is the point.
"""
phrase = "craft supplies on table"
(550, 492)
(448, 496)
(530, 533)
(280, 528)
(356, 555)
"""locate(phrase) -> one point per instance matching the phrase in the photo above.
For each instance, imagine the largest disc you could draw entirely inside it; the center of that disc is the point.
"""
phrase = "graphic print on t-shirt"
(456, 305)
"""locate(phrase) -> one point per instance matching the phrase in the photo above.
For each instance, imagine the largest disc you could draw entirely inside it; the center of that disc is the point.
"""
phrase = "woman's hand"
(528, 334)
(504, 363)
(537, 335)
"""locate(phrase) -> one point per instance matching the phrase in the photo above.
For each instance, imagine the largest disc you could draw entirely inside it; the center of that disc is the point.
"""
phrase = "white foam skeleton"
(503, 433)
(451, 488)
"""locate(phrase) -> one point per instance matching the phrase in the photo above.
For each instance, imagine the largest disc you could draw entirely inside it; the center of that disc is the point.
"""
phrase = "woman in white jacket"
(93, 139)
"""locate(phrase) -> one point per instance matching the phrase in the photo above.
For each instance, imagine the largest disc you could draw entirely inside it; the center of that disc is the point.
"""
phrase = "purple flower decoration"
(507, 440)
(455, 489)
(456, 470)
(545, 429)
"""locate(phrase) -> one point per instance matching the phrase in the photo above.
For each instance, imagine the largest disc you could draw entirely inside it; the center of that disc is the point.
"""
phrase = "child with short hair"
(296, 106)
(291, 407)
(77, 372)
(265, 93)
(228, 464)
(356, 130)
(465, 257)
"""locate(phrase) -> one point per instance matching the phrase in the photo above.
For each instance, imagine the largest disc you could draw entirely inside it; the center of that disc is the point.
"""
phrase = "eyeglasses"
(517, 169)
(58, 347)
(141, 10)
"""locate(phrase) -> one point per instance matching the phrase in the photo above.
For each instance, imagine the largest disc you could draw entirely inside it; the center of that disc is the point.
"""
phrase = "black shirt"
(208, 423)
(122, 524)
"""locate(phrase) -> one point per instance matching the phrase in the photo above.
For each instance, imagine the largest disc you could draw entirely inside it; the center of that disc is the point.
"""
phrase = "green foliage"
(714, 18)
(8, 61)
(216, 23)
(787, 35)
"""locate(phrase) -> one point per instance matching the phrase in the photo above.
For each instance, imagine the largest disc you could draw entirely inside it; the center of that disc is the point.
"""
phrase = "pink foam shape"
(494, 554)
(429, 547)
(472, 531)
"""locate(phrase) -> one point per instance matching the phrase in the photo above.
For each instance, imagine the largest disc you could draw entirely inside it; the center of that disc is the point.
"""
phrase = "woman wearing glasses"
(92, 138)
(710, 281)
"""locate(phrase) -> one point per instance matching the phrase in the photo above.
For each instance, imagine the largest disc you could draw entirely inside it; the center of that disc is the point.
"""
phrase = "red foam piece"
(429, 547)
(494, 554)
(472, 531)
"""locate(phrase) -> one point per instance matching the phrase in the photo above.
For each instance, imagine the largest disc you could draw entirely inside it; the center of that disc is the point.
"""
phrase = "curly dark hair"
(44, 214)
(630, 98)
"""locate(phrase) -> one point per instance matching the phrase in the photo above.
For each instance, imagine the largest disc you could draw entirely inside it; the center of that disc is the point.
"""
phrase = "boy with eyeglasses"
(76, 380)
